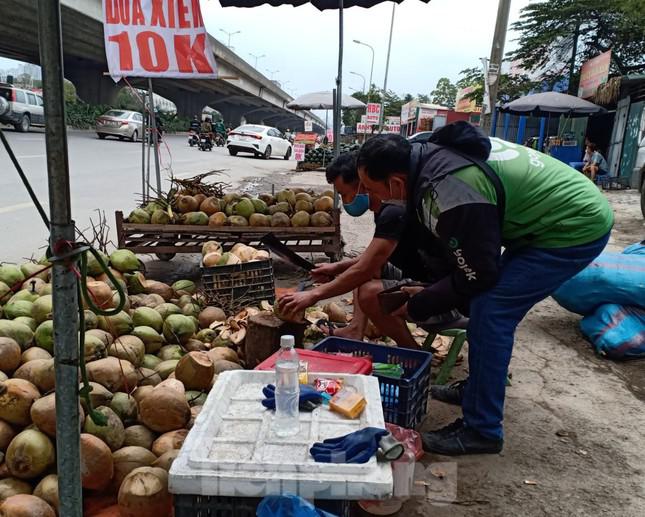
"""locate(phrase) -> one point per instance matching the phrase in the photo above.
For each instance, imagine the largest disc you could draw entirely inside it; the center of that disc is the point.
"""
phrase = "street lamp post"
(256, 58)
(272, 72)
(387, 68)
(229, 34)
(369, 86)
(362, 77)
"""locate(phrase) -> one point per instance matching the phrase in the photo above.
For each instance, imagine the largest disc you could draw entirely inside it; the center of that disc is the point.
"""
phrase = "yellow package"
(303, 372)
(348, 403)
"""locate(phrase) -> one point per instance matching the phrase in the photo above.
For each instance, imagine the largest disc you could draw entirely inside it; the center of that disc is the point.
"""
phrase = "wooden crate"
(166, 240)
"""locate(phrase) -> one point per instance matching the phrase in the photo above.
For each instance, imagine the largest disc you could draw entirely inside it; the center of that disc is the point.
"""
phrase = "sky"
(430, 41)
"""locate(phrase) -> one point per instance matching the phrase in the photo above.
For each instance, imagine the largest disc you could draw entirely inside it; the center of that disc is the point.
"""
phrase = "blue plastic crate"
(405, 399)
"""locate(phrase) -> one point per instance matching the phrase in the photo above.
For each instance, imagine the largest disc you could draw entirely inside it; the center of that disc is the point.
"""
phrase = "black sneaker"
(450, 394)
(448, 429)
(459, 440)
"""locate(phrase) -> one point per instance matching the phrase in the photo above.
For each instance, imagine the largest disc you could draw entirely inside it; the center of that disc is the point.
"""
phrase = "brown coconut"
(187, 204)
(13, 486)
(210, 315)
(6, 435)
(33, 353)
(159, 288)
(30, 454)
(104, 336)
(16, 398)
(141, 392)
(47, 490)
(225, 366)
(139, 436)
(129, 348)
(165, 460)
(169, 441)
(144, 493)
(195, 370)
(99, 395)
(210, 206)
(9, 354)
(194, 412)
(43, 414)
(223, 352)
(165, 408)
(115, 374)
(40, 372)
(97, 467)
(127, 459)
(25, 505)
(195, 345)
(100, 294)
(148, 377)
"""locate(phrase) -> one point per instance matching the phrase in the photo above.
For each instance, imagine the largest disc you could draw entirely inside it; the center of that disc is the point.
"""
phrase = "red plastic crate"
(325, 363)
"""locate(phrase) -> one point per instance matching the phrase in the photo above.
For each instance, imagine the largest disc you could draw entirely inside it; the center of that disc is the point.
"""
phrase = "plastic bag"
(288, 506)
(611, 278)
(616, 332)
(410, 439)
(635, 249)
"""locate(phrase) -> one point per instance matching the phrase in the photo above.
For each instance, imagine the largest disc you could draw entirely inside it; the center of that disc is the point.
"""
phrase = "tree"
(511, 87)
(547, 33)
(444, 93)
(423, 98)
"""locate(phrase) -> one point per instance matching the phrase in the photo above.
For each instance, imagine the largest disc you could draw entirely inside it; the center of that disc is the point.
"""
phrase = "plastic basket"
(215, 506)
(405, 399)
(236, 286)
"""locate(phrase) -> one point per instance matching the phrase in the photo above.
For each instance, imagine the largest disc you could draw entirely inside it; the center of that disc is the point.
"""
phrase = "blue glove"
(356, 447)
(309, 399)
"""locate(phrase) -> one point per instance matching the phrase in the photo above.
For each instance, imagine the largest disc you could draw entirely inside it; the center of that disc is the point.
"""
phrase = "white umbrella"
(542, 104)
(323, 101)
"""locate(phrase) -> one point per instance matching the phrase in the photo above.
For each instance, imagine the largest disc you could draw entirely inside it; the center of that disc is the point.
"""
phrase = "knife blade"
(282, 250)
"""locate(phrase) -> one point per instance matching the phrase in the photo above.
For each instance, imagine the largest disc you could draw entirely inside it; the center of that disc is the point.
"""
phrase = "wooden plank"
(165, 229)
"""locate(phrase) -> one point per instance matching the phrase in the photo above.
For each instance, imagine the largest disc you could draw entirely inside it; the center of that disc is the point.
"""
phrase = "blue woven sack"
(611, 278)
(616, 331)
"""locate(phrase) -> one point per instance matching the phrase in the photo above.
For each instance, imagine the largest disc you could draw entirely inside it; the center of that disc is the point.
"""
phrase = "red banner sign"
(593, 73)
(373, 115)
(156, 38)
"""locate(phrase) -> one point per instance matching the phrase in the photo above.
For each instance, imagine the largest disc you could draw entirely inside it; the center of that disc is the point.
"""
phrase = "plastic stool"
(459, 338)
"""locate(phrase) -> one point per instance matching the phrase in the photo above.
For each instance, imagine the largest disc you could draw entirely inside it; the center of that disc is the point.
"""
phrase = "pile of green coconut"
(150, 368)
(291, 207)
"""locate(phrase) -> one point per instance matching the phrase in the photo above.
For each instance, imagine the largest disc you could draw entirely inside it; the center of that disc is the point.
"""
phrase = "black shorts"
(392, 276)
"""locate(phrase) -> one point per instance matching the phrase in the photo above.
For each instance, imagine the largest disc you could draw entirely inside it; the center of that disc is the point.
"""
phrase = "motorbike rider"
(195, 124)
(206, 129)
(220, 130)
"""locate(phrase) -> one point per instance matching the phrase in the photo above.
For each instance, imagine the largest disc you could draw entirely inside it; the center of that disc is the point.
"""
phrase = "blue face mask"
(358, 206)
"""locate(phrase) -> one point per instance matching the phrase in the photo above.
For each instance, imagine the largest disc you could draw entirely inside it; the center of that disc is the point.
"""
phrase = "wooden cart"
(166, 240)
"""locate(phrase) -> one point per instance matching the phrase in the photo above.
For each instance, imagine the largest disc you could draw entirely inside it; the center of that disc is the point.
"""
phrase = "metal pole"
(144, 184)
(153, 130)
(497, 55)
(387, 69)
(369, 87)
(339, 84)
(65, 303)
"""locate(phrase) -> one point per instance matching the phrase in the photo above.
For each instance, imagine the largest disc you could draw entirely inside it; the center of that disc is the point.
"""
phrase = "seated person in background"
(392, 258)
(585, 159)
(597, 165)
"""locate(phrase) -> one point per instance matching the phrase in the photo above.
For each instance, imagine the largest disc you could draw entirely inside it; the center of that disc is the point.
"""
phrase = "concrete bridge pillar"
(91, 85)
(190, 104)
(233, 115)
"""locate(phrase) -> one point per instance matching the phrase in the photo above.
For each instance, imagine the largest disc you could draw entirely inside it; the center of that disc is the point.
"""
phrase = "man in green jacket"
(478, 195)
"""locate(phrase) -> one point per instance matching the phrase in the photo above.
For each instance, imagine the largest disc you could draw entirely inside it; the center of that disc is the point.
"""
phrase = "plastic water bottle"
(287, 389)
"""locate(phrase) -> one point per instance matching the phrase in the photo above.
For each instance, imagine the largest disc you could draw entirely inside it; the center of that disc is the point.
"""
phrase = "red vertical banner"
(157, 38)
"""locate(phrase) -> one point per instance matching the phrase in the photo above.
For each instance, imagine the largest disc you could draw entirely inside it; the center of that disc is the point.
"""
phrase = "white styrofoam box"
(232, 450)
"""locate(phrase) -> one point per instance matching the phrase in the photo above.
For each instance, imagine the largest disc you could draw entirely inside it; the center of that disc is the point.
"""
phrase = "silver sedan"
(120, 123)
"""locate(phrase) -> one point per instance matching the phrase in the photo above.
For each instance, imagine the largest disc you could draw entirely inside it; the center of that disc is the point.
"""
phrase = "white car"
(263, 141)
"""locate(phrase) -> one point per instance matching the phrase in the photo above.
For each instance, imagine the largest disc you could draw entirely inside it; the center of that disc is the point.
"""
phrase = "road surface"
(105, 175)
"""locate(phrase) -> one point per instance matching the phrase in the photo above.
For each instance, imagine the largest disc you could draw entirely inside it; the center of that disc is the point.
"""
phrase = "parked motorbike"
(193, 138)
(205, 142)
